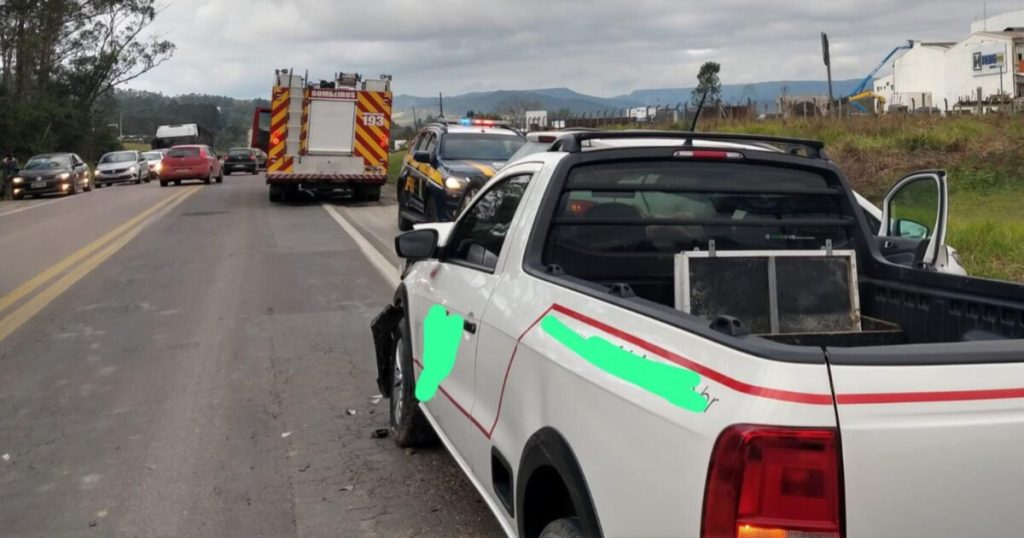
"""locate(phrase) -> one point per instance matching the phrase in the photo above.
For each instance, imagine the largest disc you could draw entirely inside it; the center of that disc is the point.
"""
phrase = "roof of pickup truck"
(575, 142)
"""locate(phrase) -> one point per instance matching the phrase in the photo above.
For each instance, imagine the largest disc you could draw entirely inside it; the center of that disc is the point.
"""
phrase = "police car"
(447, 163)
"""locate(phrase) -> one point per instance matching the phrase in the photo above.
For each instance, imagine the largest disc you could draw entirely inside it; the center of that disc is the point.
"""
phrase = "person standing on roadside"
(10, 167)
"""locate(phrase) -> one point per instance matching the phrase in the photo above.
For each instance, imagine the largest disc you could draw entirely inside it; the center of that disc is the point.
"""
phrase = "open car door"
(914, 219)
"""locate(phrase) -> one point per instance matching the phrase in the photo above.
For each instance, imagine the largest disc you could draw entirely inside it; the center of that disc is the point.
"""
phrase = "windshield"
(119, 157)
(152, 155)
(480, 147)
(529, 148)
(47, 163)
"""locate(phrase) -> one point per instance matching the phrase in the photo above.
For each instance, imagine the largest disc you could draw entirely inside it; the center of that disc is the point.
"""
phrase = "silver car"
(127, 166)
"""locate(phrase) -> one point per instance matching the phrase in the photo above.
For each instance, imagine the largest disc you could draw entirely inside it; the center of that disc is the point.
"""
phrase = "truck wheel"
(431, 209)
(567, 527)
(369, 194)
(408, 424)
(276, 194)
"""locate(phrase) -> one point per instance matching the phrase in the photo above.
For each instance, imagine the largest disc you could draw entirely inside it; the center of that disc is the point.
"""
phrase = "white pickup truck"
(704, 337)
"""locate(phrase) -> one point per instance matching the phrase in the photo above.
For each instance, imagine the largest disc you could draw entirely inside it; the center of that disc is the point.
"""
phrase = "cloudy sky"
(599, 47)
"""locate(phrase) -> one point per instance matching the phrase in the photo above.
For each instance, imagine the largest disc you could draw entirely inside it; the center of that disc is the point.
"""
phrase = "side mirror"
(416, 244)
(421, 156)
(911, 229)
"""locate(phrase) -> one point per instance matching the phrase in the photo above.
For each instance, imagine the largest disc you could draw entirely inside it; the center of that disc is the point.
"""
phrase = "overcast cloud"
(605, 48)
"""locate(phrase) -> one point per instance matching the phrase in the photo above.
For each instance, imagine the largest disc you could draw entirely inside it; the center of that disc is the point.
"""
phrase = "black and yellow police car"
(447, 162)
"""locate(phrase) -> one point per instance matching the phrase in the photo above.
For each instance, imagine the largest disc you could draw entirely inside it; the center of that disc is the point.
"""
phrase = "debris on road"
(376, 398)
(350, 412)
(380, 434)
(286, 435)
(305, 468)
(409, 451)
(347, 488)
(6, 457)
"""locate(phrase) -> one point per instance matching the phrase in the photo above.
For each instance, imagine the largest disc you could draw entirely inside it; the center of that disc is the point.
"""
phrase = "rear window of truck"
(624, 222)
(675, 206)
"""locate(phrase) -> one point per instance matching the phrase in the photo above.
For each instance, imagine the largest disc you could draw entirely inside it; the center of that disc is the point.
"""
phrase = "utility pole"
(440, 103)
(415, 121)
(828, 67)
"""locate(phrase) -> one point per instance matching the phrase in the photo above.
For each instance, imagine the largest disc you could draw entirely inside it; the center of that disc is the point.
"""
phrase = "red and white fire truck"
(329, 137)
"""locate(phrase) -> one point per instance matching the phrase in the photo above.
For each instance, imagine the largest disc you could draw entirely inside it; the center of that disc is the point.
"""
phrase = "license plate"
(38, 184)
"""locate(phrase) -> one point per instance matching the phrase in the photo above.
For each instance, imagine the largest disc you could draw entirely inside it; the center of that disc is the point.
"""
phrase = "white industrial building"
(951, 77)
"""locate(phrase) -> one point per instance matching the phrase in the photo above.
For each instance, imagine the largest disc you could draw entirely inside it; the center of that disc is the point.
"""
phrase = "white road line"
(33, 206)
(388, 271)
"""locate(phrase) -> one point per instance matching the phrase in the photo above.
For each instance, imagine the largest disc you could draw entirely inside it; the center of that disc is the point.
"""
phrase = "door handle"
(469, 327)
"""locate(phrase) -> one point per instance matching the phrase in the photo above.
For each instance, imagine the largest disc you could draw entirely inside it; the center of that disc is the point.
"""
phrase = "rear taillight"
(773, 482)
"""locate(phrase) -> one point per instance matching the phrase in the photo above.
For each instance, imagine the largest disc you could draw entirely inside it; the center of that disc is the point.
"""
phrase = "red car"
(196, 162)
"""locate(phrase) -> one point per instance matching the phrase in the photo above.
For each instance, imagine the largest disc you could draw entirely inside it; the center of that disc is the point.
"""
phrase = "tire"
(177, 182)
(209, 177)
(275, 197)
(74, 188)
(567, 527)
(430, 209)
(409, 426)
(220, 177)
(404, 224)
(163, 183)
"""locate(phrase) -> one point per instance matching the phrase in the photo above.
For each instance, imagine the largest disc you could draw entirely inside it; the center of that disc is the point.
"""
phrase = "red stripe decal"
(920, 397)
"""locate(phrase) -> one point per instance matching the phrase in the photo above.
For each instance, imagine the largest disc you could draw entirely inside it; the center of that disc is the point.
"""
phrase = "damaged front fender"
(383, 328)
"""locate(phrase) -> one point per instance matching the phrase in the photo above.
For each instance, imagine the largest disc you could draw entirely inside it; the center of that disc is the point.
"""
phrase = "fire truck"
(329, 137)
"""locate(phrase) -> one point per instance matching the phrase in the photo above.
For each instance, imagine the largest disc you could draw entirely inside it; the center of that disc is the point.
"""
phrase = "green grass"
(987, 229)
(136, 146)
(394, 165)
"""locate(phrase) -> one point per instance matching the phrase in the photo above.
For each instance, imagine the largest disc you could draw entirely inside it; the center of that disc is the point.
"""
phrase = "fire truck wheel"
(276, 194)
(369, 194)
(163, 183)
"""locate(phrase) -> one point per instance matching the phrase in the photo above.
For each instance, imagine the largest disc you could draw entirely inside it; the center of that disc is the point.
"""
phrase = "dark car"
(127, 166)
(447, 163)
(242, 160)
(52, 173)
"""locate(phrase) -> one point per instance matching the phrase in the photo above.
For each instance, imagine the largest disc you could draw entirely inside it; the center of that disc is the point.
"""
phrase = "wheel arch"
(550, 484)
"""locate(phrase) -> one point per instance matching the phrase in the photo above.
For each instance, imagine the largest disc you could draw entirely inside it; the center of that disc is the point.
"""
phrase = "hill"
(553, 99)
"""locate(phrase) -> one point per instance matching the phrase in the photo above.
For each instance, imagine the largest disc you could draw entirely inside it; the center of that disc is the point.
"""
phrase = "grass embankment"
(135, 146)
(394, 165)
(984, 157)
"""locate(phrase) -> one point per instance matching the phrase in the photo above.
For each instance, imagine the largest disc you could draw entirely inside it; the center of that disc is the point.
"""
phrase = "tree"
(57, 90)
(707, 83)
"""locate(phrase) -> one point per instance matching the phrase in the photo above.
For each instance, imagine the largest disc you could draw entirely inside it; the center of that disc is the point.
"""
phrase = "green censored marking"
(442, 335)
(670, 382)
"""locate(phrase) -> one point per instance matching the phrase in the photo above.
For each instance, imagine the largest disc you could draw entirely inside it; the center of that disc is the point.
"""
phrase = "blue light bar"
(465, 121)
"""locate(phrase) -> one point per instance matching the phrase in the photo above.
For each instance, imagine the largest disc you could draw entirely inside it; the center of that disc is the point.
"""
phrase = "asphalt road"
(194, 361)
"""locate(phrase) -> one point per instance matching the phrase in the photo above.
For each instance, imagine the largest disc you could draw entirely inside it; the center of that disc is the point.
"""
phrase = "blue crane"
(861, 88)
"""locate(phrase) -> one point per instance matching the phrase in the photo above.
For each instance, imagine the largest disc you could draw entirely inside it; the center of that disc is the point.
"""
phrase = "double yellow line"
(81, 263)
